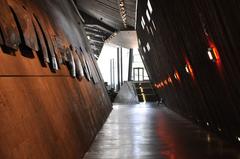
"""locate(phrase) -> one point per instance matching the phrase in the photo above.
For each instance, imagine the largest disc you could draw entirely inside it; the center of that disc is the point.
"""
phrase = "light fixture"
(210, 54)
(207, 123)
(162, 84)
(169, 79)
(88, 37)
(176, 76)
(238, 138)
(189, 69)
(123, 12)
(148, 47)
(166, 82)
(186, 68)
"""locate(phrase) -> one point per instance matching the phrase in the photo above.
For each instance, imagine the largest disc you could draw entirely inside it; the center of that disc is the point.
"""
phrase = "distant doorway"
(138, 74)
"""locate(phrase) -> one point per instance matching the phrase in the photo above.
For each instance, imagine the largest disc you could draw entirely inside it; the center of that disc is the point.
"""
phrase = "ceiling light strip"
(123, 12)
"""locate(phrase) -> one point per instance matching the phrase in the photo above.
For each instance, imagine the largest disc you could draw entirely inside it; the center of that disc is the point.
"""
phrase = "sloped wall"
(175, 44)
(52, 99)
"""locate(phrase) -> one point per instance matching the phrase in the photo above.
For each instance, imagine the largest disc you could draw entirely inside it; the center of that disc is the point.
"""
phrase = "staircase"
(145, 91)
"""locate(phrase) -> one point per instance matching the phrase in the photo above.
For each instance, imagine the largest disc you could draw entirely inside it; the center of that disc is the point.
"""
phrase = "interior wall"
(52, 97)
(179, 34)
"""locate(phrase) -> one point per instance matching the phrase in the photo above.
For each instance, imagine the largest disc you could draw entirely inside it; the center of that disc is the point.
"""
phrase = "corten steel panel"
(45, 112)
(210, 94)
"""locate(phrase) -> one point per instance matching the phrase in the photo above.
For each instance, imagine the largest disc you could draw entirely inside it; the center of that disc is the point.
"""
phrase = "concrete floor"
(147, 131)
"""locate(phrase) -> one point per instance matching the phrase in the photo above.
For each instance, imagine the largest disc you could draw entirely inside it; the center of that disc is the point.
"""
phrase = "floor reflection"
(148, 131)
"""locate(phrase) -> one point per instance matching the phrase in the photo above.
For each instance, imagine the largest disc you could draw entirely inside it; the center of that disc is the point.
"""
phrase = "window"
(144, 49)
(147, 29)
(148, 47)
(148, 15)
(149, 6)
(143, 22)
(154, 25)
(151, 31)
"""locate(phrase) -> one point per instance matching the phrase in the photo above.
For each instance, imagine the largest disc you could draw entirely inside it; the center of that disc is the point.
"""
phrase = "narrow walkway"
(147, 131)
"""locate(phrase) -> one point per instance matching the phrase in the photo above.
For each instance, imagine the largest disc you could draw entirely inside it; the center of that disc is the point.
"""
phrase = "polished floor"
(148, 131)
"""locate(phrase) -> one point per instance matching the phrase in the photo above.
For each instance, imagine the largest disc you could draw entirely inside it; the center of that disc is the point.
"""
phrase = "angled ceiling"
(102, 18)
(108, 11)
(126, 39)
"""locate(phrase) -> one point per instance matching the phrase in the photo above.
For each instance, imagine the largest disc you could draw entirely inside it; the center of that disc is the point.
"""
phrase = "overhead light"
(123, 13)
(88, 37)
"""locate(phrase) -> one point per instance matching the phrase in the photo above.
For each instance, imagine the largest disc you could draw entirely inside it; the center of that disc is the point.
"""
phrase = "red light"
(169, 80)
(166, 82)
(215, 54)
(162, 84)
(176, 75)
(189, 69)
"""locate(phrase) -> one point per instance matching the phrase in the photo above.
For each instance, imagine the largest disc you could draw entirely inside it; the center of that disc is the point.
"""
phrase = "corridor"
(149, 131)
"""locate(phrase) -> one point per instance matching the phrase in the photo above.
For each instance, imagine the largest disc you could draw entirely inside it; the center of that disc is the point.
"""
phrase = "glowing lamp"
(186, 68)
(211, 54)
(238, 138)
(165, 82)
(169, 80)
(162, 84)
(176, 76)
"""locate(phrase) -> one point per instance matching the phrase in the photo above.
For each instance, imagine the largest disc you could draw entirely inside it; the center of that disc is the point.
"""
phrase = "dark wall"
(209, 93)
(52, 98)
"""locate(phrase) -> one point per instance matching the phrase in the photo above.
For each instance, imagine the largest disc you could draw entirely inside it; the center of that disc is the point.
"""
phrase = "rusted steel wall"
(52, 98)
(177, 40)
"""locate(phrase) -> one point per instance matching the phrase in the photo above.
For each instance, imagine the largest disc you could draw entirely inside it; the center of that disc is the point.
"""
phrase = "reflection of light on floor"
(144, 98)
(208, 138)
